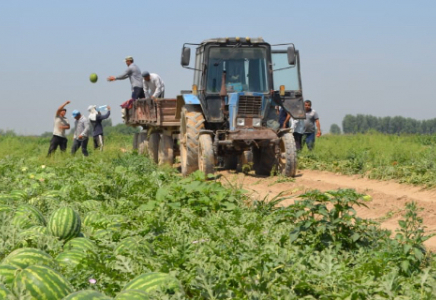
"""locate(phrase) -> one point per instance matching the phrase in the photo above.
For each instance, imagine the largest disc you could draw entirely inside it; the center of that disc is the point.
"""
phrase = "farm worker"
(298, 126)
(154, 86)
(80, 133)
(309, 125)
(134, 74)
(96, 118)
(60, 125)
(284, 118)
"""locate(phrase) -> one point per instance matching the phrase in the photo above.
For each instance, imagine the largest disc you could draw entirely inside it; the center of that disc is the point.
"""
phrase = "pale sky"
(368, 57)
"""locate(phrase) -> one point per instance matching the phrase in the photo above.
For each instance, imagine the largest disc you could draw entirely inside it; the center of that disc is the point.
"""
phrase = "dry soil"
(388, 198)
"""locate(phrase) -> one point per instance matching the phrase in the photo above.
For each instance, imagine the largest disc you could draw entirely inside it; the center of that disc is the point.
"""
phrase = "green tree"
(7, 132)
(335, 129)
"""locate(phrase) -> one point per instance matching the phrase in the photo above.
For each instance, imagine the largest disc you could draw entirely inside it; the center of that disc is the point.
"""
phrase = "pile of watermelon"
(35, 274)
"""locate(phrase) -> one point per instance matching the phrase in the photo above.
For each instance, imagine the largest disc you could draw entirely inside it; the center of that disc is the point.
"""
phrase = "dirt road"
(388, 197)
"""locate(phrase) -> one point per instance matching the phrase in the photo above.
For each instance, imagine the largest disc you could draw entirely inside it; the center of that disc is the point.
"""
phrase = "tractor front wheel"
(287, 162)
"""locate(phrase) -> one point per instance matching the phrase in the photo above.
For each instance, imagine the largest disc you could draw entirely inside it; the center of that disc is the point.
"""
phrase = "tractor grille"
(250, 106)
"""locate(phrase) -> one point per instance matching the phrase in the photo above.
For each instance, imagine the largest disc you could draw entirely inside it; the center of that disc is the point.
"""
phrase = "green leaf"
(405, 265)
(149, 206)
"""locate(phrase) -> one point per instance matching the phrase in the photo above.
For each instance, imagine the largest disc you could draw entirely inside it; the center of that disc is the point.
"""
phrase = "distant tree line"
(7, 132)
(389, 125)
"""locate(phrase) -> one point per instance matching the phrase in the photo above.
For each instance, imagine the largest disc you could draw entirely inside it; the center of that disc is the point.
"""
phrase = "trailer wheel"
(191, 122)
(166, 154)
(206, 159)
(153, 146)
(142, 142)
(263, 160)
(287, 162)
(135, 140)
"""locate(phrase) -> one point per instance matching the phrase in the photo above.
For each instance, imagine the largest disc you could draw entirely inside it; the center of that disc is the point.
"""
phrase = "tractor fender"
(189, 101)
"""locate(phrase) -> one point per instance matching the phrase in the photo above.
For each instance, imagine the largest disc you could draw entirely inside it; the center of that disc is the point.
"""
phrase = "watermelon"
(87, 295)
(81, 243)
(42, 283)
(103, 234)
(153, 281)
(132, 295)
(34, 231)
(91, 205)
(71, 258)
(5, 208)
(4, 292)
(95, 219)
(93, 78)
(7, 273)
(64, 223)
(114, 219)
(24, 257)
(27, 216)
(131, 245)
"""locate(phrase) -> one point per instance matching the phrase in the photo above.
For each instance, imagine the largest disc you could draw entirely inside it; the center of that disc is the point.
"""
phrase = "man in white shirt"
(153, 86)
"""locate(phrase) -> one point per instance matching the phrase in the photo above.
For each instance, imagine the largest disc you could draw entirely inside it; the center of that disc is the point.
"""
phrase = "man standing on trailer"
(154, 86)
(134, 74)
(312, 119)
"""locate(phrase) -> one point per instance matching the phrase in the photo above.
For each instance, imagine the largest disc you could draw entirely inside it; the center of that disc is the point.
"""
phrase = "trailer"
(161, 128)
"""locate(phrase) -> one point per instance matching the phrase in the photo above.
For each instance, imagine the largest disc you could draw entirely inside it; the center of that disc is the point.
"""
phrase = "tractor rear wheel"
(206, 158)
(153, 147)
(191, 122)
(287, 162)
(166, 155)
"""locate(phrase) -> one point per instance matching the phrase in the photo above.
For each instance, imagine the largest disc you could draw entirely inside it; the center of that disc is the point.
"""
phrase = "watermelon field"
(115, 226)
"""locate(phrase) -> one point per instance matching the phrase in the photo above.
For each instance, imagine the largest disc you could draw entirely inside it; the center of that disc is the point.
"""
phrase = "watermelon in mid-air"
(93, 77)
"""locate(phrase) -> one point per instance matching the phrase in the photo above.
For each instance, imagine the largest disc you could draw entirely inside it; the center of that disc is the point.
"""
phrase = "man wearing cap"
(60, 125)
(153, 86)
(80, 133)
(95, 117)
(134, 74)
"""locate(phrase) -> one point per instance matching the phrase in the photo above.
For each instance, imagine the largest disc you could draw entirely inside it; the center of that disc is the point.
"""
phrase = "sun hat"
(145, 74)
(128, 58)
(91, 107)
(75, 113)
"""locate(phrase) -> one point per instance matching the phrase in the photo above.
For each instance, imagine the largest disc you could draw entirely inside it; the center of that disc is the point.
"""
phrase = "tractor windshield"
(246, 69)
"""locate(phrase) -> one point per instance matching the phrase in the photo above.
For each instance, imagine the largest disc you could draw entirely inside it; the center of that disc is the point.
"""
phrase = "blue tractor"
(230, 116)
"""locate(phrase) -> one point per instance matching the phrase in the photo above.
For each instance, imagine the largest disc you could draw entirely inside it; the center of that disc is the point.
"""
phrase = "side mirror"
(186, 56)
(291, 55)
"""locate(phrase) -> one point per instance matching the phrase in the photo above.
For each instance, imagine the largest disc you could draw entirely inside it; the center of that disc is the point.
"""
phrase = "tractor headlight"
(240, 122)
(257, 122)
